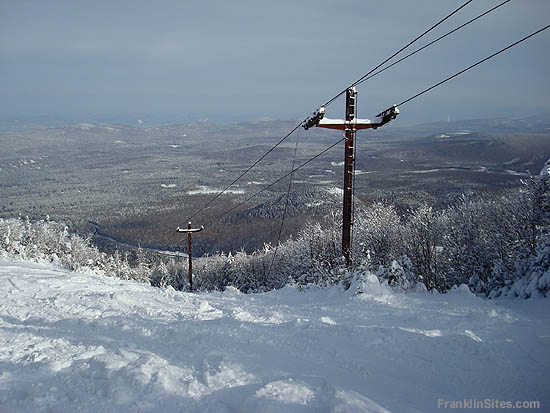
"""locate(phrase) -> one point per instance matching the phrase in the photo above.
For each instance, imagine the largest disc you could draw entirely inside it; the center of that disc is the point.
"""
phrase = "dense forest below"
(135, 185)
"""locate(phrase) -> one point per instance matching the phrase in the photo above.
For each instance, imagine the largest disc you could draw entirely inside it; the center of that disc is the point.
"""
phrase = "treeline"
(51, 241)
(496, 246)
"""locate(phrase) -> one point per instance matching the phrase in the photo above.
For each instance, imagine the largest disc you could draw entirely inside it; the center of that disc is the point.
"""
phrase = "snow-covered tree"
(423, 236)
(377, 236)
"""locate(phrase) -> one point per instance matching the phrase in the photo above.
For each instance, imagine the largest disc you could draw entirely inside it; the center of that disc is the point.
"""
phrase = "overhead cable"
(431, 43)
(472, 66)
(396, 53)
(285, 209)
(244, 173)
(277, 181)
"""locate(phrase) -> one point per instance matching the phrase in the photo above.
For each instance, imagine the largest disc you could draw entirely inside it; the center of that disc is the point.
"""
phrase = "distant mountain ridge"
(538, 123)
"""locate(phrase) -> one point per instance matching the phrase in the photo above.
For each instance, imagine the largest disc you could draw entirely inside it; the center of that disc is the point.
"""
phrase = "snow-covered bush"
(312, 258)
(161, 277)
(469, 250)
(399, 274)
(210, 273)
(246, 272)
(378, 236)
(364, 281)
(423, 236)
(315, 257)
(46, 240)
(34, 240)
(532, 278)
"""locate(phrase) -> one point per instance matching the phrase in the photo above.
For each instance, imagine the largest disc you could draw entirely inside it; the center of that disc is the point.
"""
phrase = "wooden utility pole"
(189, 231)
(350, 125)
(349, 167)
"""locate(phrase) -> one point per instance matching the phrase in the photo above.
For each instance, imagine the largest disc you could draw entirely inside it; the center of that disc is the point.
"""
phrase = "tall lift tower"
(350, 125)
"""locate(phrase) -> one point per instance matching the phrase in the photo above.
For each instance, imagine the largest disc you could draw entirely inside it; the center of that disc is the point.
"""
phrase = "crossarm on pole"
(357, 124)
(178, 229)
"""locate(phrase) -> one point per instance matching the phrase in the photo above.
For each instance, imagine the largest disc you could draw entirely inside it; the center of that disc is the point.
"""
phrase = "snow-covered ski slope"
(84, 342)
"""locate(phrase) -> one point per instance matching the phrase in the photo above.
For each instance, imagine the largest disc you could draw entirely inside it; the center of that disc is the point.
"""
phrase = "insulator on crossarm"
(388, 115)
(314, 120)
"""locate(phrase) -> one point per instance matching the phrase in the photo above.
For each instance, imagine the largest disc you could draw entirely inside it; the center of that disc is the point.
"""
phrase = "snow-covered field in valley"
(84, 342)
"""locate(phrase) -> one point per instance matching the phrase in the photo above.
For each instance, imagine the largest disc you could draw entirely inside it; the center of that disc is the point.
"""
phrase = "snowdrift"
(82, 342)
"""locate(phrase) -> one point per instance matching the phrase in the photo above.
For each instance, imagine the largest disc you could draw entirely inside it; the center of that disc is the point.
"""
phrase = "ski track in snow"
(86, 342)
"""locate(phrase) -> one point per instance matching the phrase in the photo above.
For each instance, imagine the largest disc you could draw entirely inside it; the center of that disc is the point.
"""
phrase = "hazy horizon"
(174, 61)
(143, 120)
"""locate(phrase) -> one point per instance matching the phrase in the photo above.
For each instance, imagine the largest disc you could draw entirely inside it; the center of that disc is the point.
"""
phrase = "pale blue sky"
(240, 60)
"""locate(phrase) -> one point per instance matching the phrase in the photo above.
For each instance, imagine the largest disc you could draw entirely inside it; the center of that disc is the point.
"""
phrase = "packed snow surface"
(90, 343)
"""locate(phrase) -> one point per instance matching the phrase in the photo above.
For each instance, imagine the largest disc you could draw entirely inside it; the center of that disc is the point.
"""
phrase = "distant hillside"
(139, 182)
